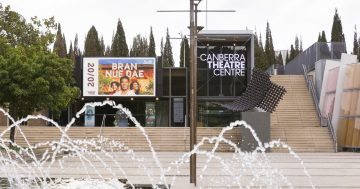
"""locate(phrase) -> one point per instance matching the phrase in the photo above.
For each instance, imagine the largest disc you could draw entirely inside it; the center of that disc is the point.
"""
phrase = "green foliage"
(260, 57)
(107, 51)
(76, 46)
(322, 37)
(162, 47)
(168, 60)
(269, 47)
(287, 58)
(119, 47)
(152, 49)
(102, 44)
(355, 43)
(184, 52)
(279, 60)
(92, 44)
(139, 47)
(337, 34)
(293, 53)
(32, 78)
(60, 44)
(297, 45)
(35, 80)
(16, 31)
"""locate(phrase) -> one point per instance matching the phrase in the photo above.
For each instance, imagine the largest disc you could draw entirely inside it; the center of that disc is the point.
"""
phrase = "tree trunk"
(12, 129)
(12, 136)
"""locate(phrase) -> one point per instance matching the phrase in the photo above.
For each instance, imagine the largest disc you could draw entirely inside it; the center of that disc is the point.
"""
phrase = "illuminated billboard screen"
(118, 76)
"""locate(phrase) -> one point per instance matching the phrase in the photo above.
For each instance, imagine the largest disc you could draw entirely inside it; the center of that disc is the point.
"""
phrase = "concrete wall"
(260, 122)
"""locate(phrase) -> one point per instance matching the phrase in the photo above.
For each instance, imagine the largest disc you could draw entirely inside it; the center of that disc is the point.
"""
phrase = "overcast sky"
(287, 18)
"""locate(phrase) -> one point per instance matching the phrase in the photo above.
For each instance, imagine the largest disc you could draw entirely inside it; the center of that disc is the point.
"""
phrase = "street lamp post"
(193, 91)
(193, 77)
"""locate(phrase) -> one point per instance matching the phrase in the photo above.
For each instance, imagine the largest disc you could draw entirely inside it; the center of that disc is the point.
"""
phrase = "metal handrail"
(332, 131)
(311, 88)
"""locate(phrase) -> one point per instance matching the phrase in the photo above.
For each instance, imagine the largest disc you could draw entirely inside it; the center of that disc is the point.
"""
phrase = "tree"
(102, 44)
(60, 44)
(168, 60)
(184, 53)
(76, 46)
(119, 47)
(140, 47)
(162, 47)
(92, 44)
(292, 53)
(279, 60)
(287, 58)
(33, 78)
(301, 45)
(16, 31)
(297, 45)
(355, 43)
(260, 58)
(323, 37)
(71, 53)
(152, 49)
(269, 47)
(107, 51)
(337, 34)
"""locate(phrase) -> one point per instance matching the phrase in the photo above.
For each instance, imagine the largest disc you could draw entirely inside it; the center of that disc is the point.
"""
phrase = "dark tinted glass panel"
(214, 85)
(202, 83)
(178, 82)
(162, 113)
(201, 50)
(212, 115)
(165, 82)
(240, 85)
(226, 65)
(228, 86)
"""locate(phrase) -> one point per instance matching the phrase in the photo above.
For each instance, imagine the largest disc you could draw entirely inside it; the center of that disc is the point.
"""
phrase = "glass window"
(240, 85)
(214, 85)
(212, 115)
(178, 82)
(162, 113)
(165, 86)
(202, 84)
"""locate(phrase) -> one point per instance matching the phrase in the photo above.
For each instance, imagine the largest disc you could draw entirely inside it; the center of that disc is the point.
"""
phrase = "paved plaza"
(327, 170)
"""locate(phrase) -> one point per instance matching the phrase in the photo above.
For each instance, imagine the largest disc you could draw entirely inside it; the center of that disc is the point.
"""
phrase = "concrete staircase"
(170, 139)
(295, 121)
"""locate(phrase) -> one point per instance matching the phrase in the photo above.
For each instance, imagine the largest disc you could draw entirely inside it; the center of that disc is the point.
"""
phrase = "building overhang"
(225, 35)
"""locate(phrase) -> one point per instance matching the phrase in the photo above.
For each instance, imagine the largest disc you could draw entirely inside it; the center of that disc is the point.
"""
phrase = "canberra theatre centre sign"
(225, 64)
(119, 76)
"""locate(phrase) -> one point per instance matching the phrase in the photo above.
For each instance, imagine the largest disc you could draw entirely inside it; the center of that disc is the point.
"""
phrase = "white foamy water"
(88, 158)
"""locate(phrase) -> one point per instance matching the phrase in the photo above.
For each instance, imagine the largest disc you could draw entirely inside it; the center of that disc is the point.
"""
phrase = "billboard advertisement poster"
(89, 116)
(119, 76)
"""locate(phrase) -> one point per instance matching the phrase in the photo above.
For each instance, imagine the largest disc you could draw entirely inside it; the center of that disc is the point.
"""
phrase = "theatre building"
(159, 96)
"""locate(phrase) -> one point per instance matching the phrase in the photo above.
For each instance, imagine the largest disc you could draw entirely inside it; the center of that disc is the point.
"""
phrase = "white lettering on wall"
(225, 64)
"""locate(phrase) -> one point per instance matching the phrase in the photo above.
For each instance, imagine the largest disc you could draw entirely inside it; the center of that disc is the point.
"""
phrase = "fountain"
(85, 163)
